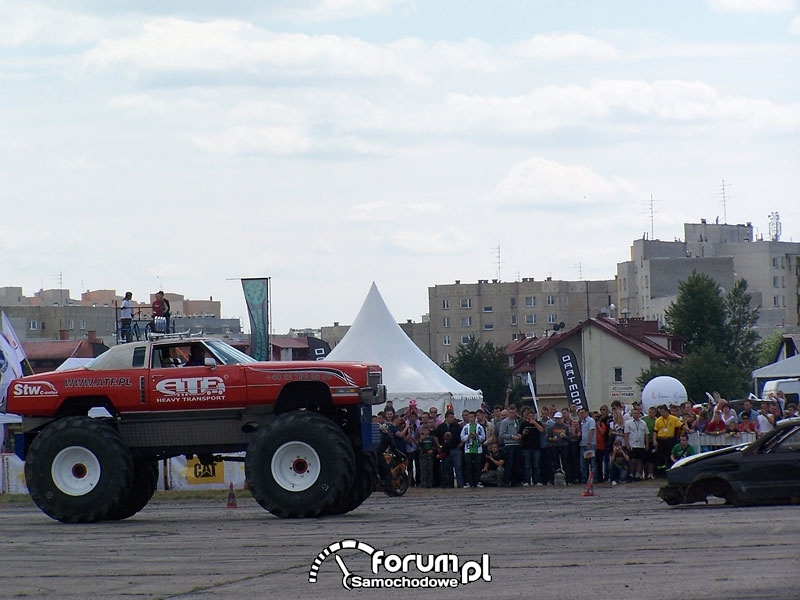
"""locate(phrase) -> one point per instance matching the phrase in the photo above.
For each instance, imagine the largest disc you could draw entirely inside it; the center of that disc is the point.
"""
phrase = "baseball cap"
(558, 415)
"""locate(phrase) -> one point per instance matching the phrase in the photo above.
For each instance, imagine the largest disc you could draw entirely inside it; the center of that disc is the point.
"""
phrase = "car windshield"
(228, 354)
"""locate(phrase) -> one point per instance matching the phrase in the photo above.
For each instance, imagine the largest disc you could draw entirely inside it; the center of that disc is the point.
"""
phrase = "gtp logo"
(455, 572)
(192, 386)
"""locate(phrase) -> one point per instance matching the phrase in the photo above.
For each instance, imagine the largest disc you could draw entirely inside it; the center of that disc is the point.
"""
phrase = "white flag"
(533, 393)
(10, 369)
(12, 339)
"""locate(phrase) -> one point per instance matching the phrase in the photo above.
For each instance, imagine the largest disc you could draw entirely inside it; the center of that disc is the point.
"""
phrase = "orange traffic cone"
(231, 497)
(589, 491)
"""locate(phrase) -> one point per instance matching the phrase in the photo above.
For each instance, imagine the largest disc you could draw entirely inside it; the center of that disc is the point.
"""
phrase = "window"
(487, 309)
(776, 281)
(446, 322)
(551, 318)
(618, 375)
(488, 326)
(551, 301)
(530, 301)
(465, 339)
(513, 303)
(776, 302)
(446, 340)
(774, 262)
(82, 324)
(466, 321)
(33, 325)
(466, 303)
(530, 319)
(446, 304)
(513, 319)
(70, 324)
(446, 358)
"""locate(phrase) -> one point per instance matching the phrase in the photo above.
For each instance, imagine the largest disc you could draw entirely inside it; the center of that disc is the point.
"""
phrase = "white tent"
(407, 372)
(788, 367)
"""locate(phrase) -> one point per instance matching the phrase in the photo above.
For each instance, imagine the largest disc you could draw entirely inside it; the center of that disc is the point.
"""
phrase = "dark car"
(765, 471)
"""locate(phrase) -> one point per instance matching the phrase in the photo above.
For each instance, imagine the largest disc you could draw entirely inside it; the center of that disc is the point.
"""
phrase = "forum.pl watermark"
(394, 571)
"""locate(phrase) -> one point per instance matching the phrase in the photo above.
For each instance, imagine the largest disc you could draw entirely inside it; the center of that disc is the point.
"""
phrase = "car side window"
(138, 357)
(163, 359)
(790, 443)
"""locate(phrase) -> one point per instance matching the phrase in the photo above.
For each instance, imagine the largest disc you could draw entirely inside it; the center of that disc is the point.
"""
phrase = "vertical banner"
(533, 393)
(256, 295)
(571, 374)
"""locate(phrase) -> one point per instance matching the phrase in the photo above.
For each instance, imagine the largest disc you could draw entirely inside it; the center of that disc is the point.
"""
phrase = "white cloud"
(538, 181)
(565, 46)
(29, 24)
(757, 6)
(332, 10)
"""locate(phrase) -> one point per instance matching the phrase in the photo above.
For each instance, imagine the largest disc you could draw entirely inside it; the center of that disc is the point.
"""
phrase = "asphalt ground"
(622, 543)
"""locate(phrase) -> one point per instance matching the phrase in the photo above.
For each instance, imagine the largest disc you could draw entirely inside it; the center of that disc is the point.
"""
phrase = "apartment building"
(500, 312)
(54, 315)
(648, 283)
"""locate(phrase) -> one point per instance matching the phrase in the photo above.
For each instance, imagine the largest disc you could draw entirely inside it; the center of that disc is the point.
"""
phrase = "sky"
(328, 144)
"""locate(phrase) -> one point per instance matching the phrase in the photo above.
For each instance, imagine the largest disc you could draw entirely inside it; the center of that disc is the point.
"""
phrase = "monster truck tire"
(78, 470)
(299, 465)
(145, 482)
(363, 486)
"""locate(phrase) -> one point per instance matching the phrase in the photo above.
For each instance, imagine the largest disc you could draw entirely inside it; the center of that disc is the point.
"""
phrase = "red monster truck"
(306, 428)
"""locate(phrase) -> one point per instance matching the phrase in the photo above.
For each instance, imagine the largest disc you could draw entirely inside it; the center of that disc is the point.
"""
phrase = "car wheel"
(299, 465)
(78, 470)
(363, 486)
(145, 482)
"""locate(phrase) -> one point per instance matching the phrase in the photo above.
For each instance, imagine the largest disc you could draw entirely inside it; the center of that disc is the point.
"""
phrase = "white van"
(790, 388)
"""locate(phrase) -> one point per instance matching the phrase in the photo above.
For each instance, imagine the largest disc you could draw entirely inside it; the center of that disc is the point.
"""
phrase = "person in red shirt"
(716, 426)
(747, 425)
(160, 308)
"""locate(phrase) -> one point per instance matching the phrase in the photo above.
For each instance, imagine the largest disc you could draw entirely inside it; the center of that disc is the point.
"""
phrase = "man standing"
(473, 436)
(558, 445)
(126, 316)
(667, 429)
(588, 444)
(636, 440)
(160, 308)
(452, 461)
(509, 434)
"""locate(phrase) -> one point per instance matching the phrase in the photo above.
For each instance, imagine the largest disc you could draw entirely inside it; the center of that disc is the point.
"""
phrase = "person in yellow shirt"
(666, 433)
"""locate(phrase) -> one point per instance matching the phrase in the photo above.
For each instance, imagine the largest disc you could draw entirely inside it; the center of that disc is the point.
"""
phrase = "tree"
(482, 367)
(698, 314)
(768, 349)
(721, 341)
(741, 338)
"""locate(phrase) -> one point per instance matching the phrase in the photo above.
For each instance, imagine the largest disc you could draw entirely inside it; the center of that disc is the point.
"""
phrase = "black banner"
(573, 384)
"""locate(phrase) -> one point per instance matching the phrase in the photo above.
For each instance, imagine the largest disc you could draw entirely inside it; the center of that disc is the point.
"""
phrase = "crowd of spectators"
(507, 446)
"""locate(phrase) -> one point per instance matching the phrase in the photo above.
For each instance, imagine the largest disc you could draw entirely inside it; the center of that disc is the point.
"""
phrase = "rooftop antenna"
(724, 197)
(580, 270)
(498, 261)
(651, 211)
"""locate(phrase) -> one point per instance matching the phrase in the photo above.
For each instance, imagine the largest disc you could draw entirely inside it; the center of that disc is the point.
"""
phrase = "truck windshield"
(228, 354)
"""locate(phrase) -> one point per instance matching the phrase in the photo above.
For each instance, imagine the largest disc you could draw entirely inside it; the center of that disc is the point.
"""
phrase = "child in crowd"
(428, 448)
(620, 463)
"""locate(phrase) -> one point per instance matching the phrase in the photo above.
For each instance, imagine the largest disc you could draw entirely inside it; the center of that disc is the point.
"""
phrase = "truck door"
(177, 383)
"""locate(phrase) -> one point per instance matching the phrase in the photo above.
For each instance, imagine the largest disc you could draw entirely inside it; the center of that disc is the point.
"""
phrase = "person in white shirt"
(126, 316)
